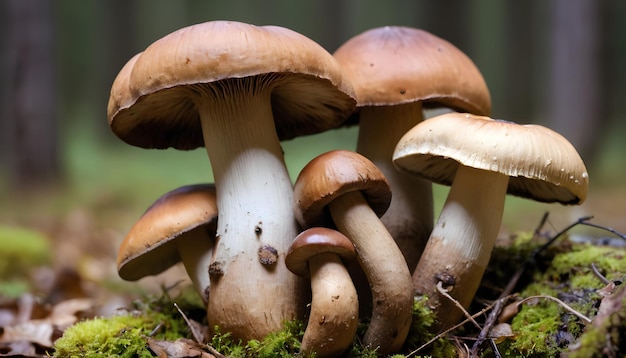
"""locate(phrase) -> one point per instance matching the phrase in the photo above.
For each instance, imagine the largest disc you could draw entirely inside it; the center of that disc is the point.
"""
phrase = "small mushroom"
(482, 160)
(354, 192)
(179, 226)
(320, 253)
(237, 90)
(395, 71)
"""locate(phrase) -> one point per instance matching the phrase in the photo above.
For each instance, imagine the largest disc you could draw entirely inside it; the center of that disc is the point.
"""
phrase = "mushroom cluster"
(257, 247)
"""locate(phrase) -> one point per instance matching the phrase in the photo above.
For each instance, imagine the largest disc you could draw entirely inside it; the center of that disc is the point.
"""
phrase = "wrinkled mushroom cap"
(333, 174)
(393, 65)
(309, 93)
(314, 241)
(150, 247)
(542, 164)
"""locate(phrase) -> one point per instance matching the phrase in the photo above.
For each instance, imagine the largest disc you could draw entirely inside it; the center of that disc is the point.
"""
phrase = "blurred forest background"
(559, 63)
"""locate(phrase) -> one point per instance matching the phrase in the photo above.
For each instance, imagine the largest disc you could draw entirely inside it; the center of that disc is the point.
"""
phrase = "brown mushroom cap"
(309, 94)
(542, 164)
(120, 95)
(315, 241)
(332, 174)
(150, 246)
(393, 65)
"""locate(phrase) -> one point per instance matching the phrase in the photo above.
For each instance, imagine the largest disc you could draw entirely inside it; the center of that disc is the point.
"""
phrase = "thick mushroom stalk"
(252, 291)
(395, 70)
(356, 195)
(483, 160)
(409, 218)
(237, 89)
(319, 253)
(465, 235)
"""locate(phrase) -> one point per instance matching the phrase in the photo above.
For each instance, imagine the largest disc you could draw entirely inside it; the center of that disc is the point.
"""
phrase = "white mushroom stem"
(409, 218)
(334, 312)
(252, 292)
(460, 245)
(195, 249)
(384, 266)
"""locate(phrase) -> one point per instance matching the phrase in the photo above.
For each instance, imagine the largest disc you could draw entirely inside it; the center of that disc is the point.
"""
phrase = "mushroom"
(346, 188)
(319, 253)
(179, 226)
(237, 89)
(395, 72)
(482, 160)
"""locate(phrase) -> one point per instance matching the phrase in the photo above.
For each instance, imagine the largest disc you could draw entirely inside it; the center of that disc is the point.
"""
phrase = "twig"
(563, 304)
(600, 276)
(611, 230)
(581, 221)
(438, 336)
(445, 293)
(194, 332)
(214, 351)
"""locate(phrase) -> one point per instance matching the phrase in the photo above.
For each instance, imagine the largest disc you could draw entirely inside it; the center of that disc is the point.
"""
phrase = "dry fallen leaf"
(39, 332)
(18, 349)
(179, 348)
(501, 332)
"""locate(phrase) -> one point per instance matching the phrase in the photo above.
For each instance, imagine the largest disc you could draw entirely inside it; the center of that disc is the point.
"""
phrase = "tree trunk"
(575, 99)
(30, 129)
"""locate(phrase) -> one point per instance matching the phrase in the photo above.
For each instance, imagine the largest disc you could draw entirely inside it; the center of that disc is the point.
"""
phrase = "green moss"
(533, 327)
(124, 335)
(574, 267)
(420, 332)
(282, 344)
(22, 249)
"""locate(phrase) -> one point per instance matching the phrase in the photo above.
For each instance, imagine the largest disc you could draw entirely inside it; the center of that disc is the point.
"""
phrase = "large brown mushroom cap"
(120, 91)
(393, 65)
(309, 94)
(542, 164)
(150, 246)
(333, 174)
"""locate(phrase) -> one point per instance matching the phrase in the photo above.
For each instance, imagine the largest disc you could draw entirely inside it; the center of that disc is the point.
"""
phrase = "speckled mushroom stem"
(252, 292)
(409, 218)
(334, 313)
(460, 245)
(387, 273)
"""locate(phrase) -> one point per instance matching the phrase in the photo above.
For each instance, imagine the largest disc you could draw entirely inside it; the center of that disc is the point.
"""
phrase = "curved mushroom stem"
(409, 218)
(196, 250)
(252, 292)
(385, 268)
(334, 312)
(460, 245)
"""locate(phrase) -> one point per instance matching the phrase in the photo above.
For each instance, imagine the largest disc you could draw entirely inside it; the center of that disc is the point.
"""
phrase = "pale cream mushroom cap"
(542, 164)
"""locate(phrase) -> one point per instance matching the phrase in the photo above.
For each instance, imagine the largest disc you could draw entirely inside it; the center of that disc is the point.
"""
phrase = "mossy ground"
(543, 327)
